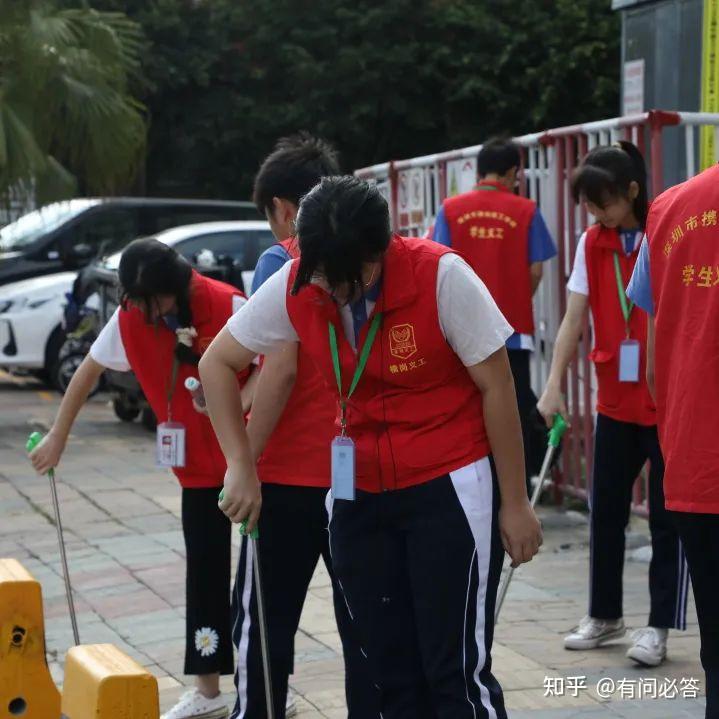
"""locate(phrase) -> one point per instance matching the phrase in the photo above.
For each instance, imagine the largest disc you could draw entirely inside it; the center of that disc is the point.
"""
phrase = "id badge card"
(170, 444)
(343, 468)
(629, 361)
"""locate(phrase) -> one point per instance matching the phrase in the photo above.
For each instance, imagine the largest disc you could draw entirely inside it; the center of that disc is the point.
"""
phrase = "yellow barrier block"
(26, 687)
(101, 682)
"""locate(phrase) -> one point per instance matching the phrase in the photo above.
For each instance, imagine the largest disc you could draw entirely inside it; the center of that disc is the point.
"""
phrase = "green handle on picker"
(558, 429)
(254, 534)
(32, 441)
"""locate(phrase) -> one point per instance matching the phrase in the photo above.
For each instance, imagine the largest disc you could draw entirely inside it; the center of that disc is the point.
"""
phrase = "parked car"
(47, 323)
(227, 251)
(68, 235)
(31, 317)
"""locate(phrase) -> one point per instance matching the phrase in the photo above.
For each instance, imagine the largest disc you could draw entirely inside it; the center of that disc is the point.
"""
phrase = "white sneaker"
(592, 632)
(193, 705)
(290, 705)
(650, 646)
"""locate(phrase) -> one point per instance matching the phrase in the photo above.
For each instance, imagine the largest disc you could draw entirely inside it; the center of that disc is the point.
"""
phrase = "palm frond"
(23, 156)
(65, 106)
(51, 29)
(55, 183)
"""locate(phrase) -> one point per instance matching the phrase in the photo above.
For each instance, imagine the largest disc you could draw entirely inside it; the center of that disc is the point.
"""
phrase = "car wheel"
(149, 421)
(52, 355)
(124, 410)
(66, 368)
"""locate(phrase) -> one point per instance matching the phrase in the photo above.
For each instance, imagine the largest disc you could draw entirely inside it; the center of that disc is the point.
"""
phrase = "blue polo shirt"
(639, 289)
(271, 260)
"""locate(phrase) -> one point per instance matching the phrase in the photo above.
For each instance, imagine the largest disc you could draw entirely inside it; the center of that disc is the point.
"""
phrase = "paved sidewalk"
(126, 554)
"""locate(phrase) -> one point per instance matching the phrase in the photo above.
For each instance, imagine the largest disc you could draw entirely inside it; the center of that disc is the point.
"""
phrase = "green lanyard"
(364, 354)
(626, 308)
(170, 388)
(489, 188)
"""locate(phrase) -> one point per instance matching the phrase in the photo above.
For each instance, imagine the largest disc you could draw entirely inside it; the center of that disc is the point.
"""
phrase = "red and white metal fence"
(415, 189)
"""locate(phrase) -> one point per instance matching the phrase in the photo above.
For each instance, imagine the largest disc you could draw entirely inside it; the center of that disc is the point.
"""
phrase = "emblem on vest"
(401, 341)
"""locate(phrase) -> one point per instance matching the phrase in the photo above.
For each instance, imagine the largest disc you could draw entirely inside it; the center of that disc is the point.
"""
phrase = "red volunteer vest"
(490, 228)
(150, 351)
(298, 451)
(683, 232)
(416, 414)
(623, 401)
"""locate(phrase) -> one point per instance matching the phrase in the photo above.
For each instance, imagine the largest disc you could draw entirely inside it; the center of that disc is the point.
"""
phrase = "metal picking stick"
(555, 436)
(33, 440)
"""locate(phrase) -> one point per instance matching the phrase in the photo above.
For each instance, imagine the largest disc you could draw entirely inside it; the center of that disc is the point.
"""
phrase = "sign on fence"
(461, 176)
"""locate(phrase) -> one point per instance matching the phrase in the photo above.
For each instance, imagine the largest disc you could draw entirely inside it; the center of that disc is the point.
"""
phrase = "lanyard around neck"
(171, 386)
(364, 355)
(626, 307)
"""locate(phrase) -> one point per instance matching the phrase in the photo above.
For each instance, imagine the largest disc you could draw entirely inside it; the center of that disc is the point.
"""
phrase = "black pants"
(700, 537)
(293, 536)
(621, 449)
(534, 433)
(419, 568)
(207, 544)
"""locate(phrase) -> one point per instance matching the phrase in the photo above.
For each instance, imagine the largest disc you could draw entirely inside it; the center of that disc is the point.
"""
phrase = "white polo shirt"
(468, 316)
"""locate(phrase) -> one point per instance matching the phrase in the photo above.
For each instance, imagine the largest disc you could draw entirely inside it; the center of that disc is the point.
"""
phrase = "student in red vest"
(168, 316)
(676, 281)
(290, 428)
(505, 240)
(424, 394)
(612, 183)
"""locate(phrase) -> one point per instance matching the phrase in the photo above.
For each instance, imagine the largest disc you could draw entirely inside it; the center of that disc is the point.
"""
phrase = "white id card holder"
(629, 361)
(170, 444)
(343, 468)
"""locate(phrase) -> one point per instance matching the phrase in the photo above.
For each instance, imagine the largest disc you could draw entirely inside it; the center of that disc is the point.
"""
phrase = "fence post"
(392, 176)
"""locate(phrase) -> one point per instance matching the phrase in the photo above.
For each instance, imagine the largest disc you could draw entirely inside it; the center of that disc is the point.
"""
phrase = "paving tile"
(126, 556)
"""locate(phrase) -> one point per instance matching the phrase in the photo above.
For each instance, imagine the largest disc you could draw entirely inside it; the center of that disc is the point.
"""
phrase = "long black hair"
(149, 268)
(607, 172)
(342, 223)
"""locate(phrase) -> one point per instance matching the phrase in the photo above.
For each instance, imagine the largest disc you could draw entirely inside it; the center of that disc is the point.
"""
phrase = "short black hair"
(342, 223)
(498, 156)
(607, 171)
(292, 169)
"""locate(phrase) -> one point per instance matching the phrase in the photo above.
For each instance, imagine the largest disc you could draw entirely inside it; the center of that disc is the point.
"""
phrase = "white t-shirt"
(468, 316)
(579, 281)
(108, 349)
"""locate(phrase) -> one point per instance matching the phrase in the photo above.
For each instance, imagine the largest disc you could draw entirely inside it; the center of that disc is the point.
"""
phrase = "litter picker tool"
(254, 536)
(33, 440)
(555, 437)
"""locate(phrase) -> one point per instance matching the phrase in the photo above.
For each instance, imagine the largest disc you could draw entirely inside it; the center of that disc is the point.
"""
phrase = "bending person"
(429, 422)
(168, 315)
(290, 429)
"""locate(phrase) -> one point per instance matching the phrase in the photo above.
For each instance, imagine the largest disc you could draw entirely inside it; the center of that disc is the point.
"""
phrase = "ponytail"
(608, 171)
(641, 201)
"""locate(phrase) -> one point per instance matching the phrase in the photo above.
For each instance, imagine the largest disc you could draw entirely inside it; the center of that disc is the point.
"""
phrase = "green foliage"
(223, 79)
(65, 110)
